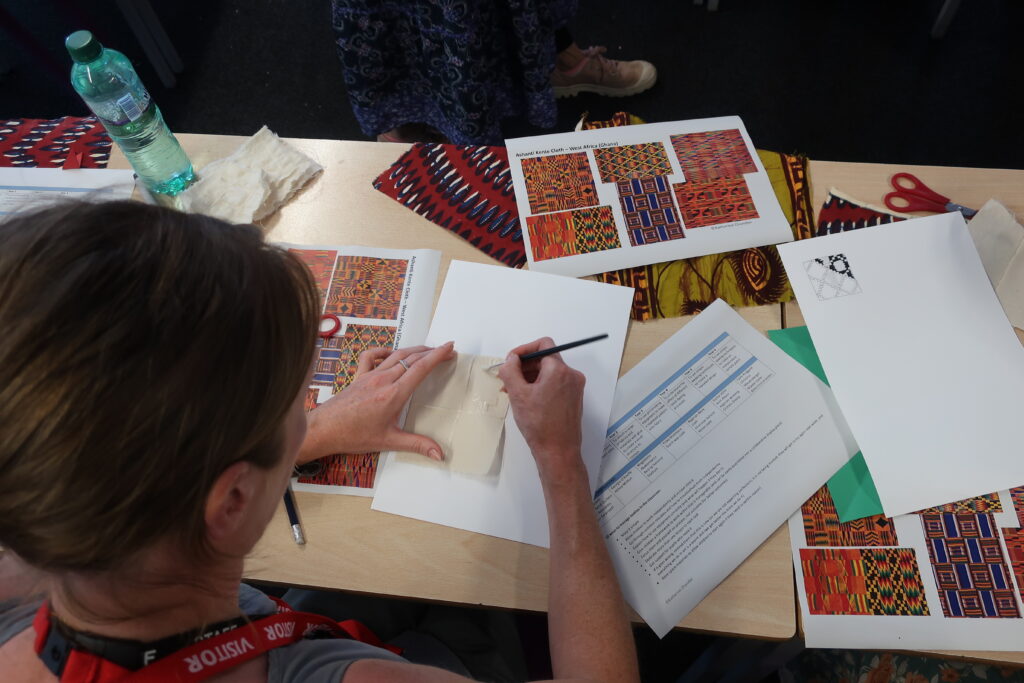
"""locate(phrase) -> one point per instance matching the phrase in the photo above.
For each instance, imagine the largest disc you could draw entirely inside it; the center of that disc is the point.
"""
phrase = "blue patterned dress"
(460, 66)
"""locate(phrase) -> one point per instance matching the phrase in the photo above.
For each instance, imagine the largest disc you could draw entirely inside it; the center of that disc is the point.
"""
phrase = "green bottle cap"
(83, 46)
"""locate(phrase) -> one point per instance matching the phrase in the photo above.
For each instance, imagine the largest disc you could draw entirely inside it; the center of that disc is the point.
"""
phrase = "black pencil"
(554, 349)
(293, 515)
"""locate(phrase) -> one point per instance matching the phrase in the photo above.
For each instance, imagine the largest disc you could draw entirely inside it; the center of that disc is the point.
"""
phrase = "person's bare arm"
(589, 629)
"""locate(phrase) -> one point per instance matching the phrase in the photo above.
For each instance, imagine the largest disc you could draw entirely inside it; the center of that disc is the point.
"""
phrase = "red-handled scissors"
(329, 325)
(919, 197)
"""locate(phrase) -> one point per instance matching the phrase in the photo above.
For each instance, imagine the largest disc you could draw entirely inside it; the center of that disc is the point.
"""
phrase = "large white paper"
(382, 297)
(716, 438)
(900, 578)
(920, 355)
(25, 188)
(683, 195)
(489, 310)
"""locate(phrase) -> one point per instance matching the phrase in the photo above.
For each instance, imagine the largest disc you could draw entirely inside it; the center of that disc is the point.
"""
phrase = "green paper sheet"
(852, 488)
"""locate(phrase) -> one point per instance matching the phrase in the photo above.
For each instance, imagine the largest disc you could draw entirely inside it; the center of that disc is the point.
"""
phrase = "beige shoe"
(593, 72)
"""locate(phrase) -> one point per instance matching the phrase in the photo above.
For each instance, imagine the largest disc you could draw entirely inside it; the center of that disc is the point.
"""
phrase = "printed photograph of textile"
(881, 582)
(648, 210)
(831, 277)
(712, 154)
(320, 263)
(632, 161)
(335, 366)
(969, 567)
(338, 357)
(713, 202)
(988, 503)
(750, 277)
(1017, 495)
(572, 232)
(822, 525)
(559, 182)
(434, 180)
(1014, 539)
(366, 287)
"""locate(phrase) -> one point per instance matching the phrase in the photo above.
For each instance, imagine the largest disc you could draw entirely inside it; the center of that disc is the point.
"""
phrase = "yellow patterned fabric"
(748, 277)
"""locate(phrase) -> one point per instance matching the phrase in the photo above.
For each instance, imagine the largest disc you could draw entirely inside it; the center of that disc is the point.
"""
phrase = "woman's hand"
(547, 402)
(363, 418)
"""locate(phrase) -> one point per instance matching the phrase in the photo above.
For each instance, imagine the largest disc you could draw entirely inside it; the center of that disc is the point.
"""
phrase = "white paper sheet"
(728, 214)
(489, 310)
(913, 577)
(716, 437)
(22, 188)
(920, 355)
(378, 295)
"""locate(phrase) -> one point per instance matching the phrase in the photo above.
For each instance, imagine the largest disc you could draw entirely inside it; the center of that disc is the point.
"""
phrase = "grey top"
(314, 661)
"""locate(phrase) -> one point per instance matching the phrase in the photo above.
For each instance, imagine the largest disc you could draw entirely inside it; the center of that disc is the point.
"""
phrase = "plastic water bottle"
(109, 85)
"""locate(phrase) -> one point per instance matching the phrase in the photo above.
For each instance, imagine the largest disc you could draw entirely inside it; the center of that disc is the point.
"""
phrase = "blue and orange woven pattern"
(969, 566)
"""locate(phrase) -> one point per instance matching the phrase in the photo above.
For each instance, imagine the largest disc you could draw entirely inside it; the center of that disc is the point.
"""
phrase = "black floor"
(849, 81)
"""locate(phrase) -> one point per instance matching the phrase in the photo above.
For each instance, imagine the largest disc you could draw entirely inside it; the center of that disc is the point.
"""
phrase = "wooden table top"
(352, 548)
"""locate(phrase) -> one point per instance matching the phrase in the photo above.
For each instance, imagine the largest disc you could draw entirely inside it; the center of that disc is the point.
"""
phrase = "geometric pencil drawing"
(632, 161)
(648, 210)
(568, 233)
(823, 528)
(366, 287)
(320, 263)
(969, 567)
(831, 277)
(559, 182)
(713, 154)
(335, 366)
(712, 202)
(863, 581)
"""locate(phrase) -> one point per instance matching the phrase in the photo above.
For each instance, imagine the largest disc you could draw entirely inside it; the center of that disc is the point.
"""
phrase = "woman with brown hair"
(152, 367)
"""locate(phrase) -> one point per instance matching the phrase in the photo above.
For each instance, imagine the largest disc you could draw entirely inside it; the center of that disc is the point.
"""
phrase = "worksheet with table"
(716, 437)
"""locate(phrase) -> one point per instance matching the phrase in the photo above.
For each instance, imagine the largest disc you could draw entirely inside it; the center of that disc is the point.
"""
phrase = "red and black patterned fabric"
(66, 142)
(841, 213)
(466, 190)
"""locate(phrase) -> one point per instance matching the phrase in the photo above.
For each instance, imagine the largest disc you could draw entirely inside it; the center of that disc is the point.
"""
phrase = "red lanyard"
(211, 656)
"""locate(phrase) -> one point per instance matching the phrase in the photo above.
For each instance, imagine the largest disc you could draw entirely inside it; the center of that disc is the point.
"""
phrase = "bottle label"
(125, 109)
(130, 107)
